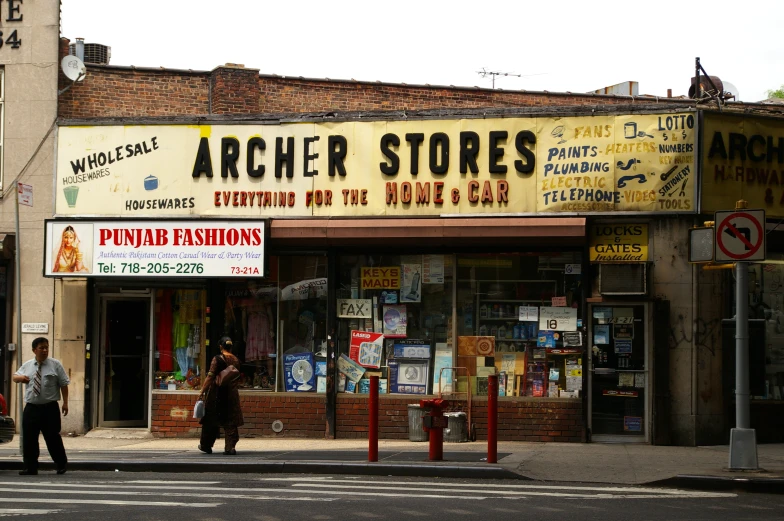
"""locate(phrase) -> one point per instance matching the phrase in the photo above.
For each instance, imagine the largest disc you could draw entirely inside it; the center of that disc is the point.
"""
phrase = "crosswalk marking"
(164, 494)
(5, 512)
(208, 494)
(109, 502)
(515, 490)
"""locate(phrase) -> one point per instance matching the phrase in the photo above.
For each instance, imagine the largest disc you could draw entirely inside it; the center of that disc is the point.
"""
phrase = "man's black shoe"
(61, 470)
(206, 450)
(27, 472)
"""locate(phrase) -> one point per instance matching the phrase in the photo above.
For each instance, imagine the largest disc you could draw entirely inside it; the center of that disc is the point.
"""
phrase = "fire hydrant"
(435, 423)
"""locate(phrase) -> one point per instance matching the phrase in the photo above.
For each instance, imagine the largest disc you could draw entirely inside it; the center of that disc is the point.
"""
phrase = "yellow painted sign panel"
(381, 278)
(520, 165)
(619, 243)
(639, 163)
(743, 158)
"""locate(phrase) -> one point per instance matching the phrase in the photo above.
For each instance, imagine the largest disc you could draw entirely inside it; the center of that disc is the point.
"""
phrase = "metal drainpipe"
(694, 353)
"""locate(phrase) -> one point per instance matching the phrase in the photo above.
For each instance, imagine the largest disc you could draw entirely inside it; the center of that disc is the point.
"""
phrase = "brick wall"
(234, 90)
(120, 91)
(304, 416)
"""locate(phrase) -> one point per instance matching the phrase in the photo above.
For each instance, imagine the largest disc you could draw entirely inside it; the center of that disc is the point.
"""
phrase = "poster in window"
(623, 331)
(432, 269)
(601, 334)
(411, 285)
(366, 348)
(394, 320)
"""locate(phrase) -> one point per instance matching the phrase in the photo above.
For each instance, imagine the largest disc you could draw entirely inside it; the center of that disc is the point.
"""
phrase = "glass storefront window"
(249, 313)
(408, 300)
(278, 325)
(502, 302)
(766, 301)
(179, 336)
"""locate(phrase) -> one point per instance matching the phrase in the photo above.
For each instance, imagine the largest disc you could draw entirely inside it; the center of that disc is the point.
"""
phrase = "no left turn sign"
(740, 235)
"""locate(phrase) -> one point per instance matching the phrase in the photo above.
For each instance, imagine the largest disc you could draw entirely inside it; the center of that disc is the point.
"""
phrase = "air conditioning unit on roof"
(93, 53)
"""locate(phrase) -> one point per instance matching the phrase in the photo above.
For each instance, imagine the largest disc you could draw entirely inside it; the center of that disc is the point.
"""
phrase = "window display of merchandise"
(504, 302)
(394, 316)
(278, 326)
(179, 339)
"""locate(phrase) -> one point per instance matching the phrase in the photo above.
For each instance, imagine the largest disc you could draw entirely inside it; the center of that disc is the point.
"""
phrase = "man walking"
(45, 378)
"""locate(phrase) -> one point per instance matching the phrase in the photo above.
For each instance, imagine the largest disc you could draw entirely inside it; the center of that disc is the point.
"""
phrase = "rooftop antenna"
(485, 73)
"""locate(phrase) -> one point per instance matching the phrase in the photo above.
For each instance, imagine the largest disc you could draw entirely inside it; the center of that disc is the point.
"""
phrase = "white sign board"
(740, 235)
(25, 194)
(35, 327)
(558, 318)
(529, 313)
(355, 308)
(199, 248)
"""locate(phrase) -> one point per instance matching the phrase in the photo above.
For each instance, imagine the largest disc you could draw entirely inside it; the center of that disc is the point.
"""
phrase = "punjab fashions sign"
(591, 164)
(743, 158)
(155, 248)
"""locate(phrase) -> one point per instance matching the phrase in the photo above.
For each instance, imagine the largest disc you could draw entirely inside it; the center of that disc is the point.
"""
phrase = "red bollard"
(492, 418)
(373, 420)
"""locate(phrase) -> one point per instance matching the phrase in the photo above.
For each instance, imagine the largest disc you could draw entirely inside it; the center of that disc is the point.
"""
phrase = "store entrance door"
(124, 365)
(619, 374)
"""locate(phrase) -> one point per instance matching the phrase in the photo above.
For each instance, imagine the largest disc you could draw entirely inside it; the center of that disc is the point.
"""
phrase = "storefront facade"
(431, 252)
(743, 158)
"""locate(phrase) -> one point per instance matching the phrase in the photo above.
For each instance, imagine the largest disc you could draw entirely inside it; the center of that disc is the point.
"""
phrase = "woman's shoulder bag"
(228, 376)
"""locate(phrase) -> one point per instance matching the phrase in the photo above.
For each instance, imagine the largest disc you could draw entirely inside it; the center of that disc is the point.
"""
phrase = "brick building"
(502, 211)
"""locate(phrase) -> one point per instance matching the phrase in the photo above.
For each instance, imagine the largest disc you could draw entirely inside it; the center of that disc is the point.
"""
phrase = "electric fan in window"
(302, 372)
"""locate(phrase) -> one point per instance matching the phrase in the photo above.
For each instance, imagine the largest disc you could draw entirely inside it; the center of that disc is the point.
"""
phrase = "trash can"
(456, 429)
(416, 427)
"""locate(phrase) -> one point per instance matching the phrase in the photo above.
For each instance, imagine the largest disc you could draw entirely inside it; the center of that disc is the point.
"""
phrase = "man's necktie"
(37, 381)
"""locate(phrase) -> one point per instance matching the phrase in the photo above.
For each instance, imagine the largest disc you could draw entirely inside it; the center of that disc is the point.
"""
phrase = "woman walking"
(222, 403)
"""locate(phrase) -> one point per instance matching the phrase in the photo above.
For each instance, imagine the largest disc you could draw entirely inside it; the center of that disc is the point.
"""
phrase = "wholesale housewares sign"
(155, 248)
(743, 158)
(589, 164)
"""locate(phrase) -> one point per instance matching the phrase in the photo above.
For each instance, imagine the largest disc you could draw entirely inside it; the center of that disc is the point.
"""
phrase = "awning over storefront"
(433, 232)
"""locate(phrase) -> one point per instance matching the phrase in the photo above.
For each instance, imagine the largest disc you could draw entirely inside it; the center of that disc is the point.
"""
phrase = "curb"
(722, 483)
(283, 467)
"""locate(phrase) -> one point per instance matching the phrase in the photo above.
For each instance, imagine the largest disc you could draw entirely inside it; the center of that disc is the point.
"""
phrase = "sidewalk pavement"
(618, 463)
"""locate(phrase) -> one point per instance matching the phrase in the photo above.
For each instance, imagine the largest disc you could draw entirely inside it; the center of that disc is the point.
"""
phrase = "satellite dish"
(73, 68)
(731, 90)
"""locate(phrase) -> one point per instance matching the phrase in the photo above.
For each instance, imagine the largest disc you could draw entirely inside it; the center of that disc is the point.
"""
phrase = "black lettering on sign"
(337, 147)
(230, 151)
(203, 163)
(309, 156)
(497, 152)
(439, 138)
(255, 143)
(416, 140)
(469, 149)
(392, 166)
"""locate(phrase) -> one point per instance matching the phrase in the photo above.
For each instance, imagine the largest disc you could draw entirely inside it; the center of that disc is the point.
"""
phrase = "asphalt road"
(131, 496)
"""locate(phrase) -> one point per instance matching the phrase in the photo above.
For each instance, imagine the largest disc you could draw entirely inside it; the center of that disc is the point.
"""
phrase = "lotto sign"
(740, 235)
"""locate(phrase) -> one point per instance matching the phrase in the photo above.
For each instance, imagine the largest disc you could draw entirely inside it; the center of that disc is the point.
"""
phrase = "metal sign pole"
(742, 346)
(743, 439)
(18, 292)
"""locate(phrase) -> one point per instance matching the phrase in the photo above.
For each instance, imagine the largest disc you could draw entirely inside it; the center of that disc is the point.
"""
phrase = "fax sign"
(740, 235)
